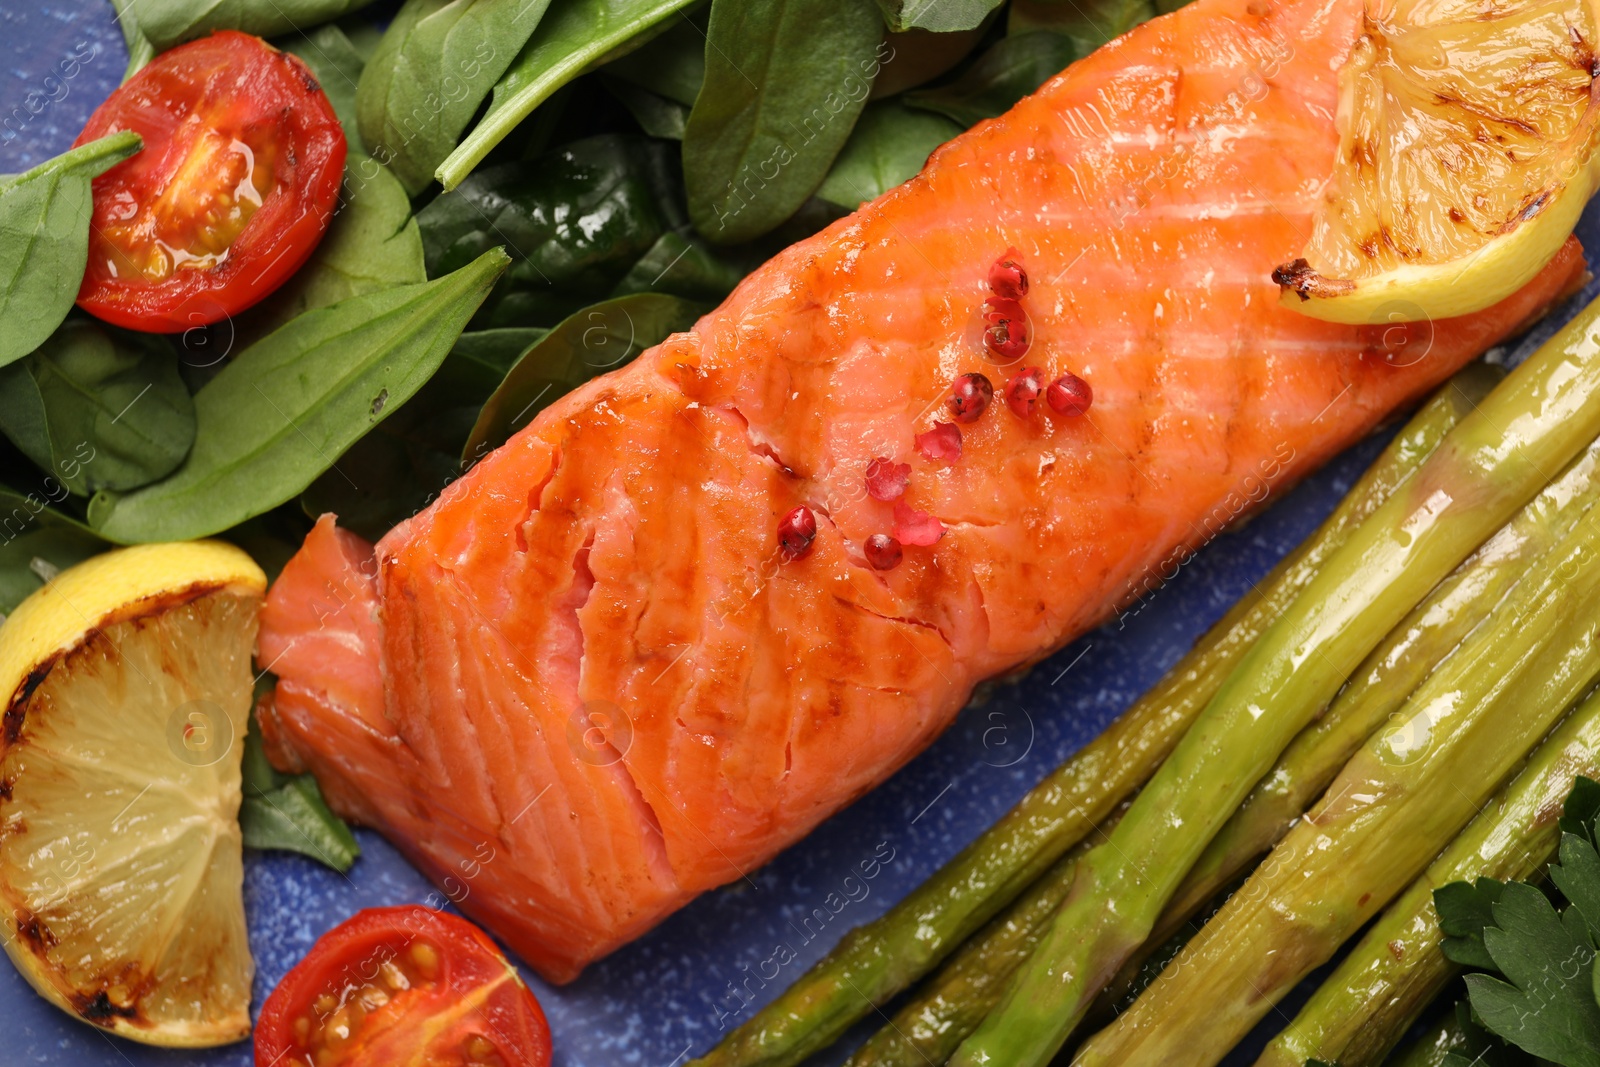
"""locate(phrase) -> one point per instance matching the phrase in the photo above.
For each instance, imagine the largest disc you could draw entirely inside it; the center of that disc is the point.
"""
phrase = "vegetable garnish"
(407, 984)
(237, 181)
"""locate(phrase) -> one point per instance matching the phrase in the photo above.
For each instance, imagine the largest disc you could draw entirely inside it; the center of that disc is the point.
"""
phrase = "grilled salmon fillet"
(586, 684)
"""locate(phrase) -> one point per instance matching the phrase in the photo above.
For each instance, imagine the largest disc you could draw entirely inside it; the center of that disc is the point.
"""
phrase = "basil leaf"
(889, 145)
(287, 812)
(940, 16)
(285, 407)
(434, 68)
(107, 405)
(595, 340)
(44, 240)
(575, 36)
(1008, 71)
(682, 266)
(574, 220)
(401, 466)
(170, 22)
(656, 115)
(784, 84)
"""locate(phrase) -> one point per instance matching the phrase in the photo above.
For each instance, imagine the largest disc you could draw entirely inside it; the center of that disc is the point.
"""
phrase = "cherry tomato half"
(240, 171)
(396, 987)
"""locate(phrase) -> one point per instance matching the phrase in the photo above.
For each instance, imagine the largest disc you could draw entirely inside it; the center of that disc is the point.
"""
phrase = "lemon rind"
(56, 618)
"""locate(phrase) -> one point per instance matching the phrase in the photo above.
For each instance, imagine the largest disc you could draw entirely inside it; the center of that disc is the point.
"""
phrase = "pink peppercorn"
(883, 552)
(1069, 395)
(886, 479)
(969, 396)
(1022, 391)
(942, 443)
(796, 533)
(1006, 276)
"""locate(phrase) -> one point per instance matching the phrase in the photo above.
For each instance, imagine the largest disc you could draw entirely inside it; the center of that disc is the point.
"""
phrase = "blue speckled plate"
(670, 994)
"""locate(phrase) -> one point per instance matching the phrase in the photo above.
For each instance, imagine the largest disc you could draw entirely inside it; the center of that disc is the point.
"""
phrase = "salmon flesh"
(586, 685)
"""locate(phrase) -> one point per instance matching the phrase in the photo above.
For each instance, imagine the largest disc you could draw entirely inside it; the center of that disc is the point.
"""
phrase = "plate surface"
(671, 994)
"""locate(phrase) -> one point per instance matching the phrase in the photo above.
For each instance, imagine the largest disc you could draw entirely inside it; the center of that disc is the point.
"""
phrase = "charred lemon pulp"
(127, 684)
(1468, 134)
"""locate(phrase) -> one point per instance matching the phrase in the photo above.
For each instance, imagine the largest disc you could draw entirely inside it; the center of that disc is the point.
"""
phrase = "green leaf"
(1581, 812)
(140, 50)
(1009, 70)
(1087, 23)
(672, 64)
(170, 22)
(32, 529)
(598, 339)
(784, 85)
(373, 243)
(400, 467)
(337, 65)
(287, 812)
(436, 65)
(889, 145)
(1465, 909)
(1548, 1008)
(44, 240)
(101, 409)
(574, 220)
(1578, 877)
(683, 266)
(577, 35)
(284, 408)
(939, 16)
(656, 115)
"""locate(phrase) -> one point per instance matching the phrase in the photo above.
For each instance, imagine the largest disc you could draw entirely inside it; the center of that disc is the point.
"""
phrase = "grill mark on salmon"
(620, 552)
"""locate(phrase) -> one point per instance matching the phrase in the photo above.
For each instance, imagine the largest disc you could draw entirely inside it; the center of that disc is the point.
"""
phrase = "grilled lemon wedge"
(1468, 135)
(127, 682)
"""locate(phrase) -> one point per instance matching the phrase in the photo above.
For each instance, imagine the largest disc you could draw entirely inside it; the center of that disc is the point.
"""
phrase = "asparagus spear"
(1396, 804)
(1447, 1035)
(1376, 690)
(1370, 1002)
(877, 960)
(956, 999)
(1486, 469)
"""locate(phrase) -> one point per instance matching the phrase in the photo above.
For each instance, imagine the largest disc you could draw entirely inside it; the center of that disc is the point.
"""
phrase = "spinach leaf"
(574, 220)
(331, 56)
(373, 242)
(578, 34)
(672, 64)
(32, 529)
(1008, 71)
(940, 16)
(656, 115)
(140, 50)
(287, 812)
(434, 68)
(916, 57)
(102, 409)
(784, 84)
(682, 266)
(1088, 24)
(44, 240)
(284, 408)
(889, 145)
(407, 461)
(170, 22)
(598, 339)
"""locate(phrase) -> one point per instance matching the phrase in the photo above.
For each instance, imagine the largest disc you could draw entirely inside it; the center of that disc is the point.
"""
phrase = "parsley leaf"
(1464, 910)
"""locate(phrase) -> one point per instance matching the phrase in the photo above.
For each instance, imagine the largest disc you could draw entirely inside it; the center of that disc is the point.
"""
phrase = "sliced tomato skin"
(237, 86)
(353, 952)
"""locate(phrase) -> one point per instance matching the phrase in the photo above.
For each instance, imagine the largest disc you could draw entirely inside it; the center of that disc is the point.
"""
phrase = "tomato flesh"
(236, 183)
(402, 986)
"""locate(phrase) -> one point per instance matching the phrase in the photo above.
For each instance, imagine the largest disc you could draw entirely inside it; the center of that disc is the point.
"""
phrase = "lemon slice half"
(1468, 136)
(127, 682)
